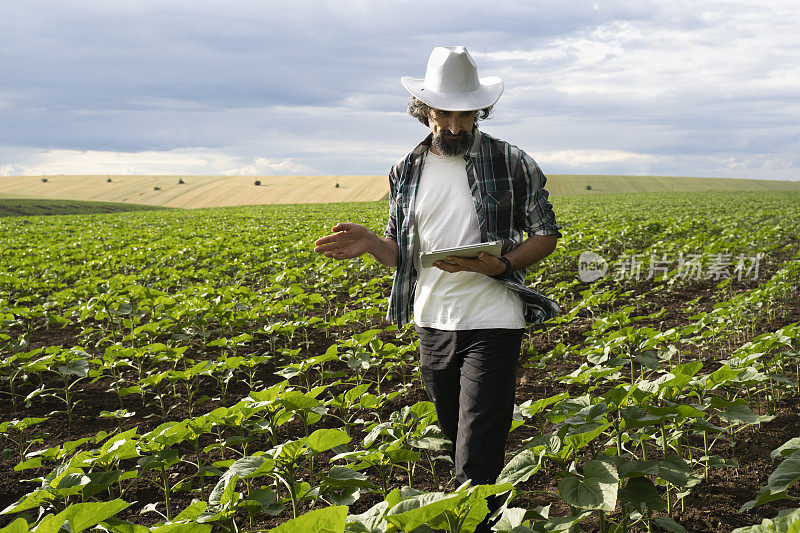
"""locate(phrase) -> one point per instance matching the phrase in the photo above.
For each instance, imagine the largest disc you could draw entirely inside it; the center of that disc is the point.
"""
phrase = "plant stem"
(166, 491)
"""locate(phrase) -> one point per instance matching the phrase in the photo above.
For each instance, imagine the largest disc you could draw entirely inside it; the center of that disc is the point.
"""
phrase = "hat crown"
(451, 70)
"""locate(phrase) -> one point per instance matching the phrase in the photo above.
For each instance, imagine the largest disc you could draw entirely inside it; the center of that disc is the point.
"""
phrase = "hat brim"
(489, 92)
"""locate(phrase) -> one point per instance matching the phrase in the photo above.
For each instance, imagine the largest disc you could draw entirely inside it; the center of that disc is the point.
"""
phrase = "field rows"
(206, 369)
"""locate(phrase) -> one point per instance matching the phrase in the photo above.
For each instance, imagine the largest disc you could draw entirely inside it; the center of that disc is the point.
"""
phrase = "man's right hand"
(352, 240)
(348, 241)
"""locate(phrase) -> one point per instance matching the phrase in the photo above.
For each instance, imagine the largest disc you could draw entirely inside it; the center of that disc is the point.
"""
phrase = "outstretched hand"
(348, 241)
(483, 264)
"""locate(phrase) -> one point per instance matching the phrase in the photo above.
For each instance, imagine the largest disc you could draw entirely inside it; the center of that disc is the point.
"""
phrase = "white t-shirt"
(445, 217)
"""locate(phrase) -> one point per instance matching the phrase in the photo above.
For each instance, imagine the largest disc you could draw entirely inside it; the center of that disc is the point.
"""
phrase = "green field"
(219, 191)
(199, 370)
(24, 207)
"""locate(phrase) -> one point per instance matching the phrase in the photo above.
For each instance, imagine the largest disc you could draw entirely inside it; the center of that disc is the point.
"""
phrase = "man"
(461, 186)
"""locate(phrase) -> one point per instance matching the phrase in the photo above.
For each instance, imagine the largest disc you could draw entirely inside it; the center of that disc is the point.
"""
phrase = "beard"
(450, 145)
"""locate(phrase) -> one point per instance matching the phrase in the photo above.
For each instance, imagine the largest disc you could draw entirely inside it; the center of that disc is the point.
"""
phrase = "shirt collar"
(423, 146)
(475, 149)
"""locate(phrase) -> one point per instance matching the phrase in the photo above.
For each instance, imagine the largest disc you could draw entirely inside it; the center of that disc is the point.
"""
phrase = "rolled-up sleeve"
(535, 215)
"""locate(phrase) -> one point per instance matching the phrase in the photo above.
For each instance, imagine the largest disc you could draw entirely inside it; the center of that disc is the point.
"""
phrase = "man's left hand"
(483, 264)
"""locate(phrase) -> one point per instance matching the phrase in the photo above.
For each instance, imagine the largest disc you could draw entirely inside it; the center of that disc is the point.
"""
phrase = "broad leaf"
(326, 520)
(522, 466)
(669, 524)
(787, 521)
(325, 439)
(418, 510)
(786, 474)
(597, 489)
(641, 491)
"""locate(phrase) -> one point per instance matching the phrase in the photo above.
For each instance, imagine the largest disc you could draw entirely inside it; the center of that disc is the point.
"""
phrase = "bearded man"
(458, 187)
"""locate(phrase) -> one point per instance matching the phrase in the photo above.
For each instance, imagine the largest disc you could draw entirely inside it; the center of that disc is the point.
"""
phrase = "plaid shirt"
(509, 197)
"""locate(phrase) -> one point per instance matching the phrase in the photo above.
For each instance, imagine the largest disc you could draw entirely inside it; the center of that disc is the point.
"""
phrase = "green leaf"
(246, 466)
(618, 396)
(33, 462)
(721, 376)
(370, 521)
(327, 520)
(395, 496)
(296, 401)
(476, 505)
(114, 525)
(352, 396)
(787, 448)
(346, 496)
(580, 440)
(683, 374)
(539, 406)
(195, 509)
(522, 466)
(417, 510)
(786, 474)
(559, 523)
(342, 476)
(432, 438)
(743, 414)
(673, 469)
(787, 521)
(636, 417)
(510, 518)
(647, 359)
(669, 524)
(186, 527)
(267, 501)
(596, 490)
(17, 526)
(220, 492)
(639, 491)
(85, 515)
(164, 458)
(763, 496)
(325, 439)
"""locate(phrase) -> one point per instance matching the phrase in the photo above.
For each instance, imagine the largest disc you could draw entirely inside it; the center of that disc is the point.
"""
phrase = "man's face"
(452, 131)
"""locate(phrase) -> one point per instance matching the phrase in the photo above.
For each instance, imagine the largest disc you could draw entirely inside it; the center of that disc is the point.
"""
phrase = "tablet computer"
(471, 250)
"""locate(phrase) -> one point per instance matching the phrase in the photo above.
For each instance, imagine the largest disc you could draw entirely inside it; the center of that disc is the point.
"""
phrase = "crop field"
(204, 370)
(25, 207)
(193, 192)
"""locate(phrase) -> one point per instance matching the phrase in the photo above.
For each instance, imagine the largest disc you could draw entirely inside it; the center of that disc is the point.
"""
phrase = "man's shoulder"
(497, 145)
(410, 157)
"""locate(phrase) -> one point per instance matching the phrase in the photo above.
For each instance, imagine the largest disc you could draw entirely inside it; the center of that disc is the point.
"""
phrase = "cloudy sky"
(689, 88)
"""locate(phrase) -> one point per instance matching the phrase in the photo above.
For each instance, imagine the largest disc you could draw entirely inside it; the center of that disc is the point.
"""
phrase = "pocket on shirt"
(499, 197)
(499, 205)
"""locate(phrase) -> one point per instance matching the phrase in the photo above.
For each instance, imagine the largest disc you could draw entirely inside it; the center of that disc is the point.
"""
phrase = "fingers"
(344, 226)
(339, 254)
(453, 264)
(481, 264)
(325, 240)
(330, 246)
(442, 265)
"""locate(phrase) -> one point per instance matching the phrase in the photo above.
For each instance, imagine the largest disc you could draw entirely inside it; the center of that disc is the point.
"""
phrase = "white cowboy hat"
(451, 82)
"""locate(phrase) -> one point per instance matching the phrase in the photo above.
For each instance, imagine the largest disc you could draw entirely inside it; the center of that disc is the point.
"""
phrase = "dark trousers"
(470, 377)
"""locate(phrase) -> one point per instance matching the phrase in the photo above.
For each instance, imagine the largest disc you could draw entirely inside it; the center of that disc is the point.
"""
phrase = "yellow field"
(217, 191)
(197, 191)
(559, 184)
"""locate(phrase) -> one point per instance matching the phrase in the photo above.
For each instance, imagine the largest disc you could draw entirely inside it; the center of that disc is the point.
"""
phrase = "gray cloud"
(644, 86)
